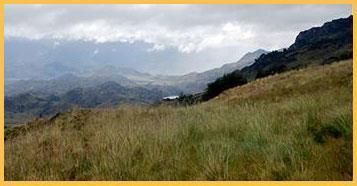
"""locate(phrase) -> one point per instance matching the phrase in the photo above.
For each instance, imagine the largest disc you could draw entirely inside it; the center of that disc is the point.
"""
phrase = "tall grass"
(298, 128)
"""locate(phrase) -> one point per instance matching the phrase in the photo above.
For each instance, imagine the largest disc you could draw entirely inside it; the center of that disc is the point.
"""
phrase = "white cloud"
(187, 28)
(189, 40)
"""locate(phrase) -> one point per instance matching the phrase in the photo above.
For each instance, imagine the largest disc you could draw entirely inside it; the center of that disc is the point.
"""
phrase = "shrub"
(223, 83)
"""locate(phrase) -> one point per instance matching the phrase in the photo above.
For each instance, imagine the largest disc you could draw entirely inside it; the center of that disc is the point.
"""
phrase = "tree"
(223, 83)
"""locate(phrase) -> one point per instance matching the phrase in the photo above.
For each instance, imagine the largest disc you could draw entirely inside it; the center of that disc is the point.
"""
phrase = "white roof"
(171, 97)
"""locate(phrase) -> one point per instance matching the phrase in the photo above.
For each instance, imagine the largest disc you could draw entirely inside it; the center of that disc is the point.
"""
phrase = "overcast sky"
(230, 30)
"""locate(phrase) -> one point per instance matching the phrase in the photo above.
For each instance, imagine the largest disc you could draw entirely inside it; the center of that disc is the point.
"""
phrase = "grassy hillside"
(292, 126)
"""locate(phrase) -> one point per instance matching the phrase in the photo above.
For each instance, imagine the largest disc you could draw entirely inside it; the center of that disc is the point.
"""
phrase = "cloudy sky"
(202, 36)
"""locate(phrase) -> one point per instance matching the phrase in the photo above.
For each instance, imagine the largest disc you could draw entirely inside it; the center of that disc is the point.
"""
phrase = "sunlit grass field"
(292, 126)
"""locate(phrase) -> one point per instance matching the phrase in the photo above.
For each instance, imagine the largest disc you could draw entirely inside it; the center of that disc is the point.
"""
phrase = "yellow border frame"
(177, 183)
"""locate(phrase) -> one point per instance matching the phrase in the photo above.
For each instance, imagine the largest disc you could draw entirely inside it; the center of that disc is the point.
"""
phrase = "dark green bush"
(223, 83)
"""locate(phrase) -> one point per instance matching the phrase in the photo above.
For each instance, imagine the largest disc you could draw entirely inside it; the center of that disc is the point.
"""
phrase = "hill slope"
(292, 126)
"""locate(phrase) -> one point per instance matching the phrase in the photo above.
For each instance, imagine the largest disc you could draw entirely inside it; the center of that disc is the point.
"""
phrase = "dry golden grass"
(292, 126)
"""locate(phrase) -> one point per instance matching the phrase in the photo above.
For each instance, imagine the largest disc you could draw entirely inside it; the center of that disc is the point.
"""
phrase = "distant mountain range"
(105, 87)
(190, 83)
(44, 59)
(111, 85)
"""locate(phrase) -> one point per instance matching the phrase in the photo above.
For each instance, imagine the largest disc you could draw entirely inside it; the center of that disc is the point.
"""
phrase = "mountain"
(329, 43)
(247, 60)
(197, 82)
(108, 94)
(320, 45)
(106, 86)
(61, 84)
(317, 46)
(190, 83)
(51, 59)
